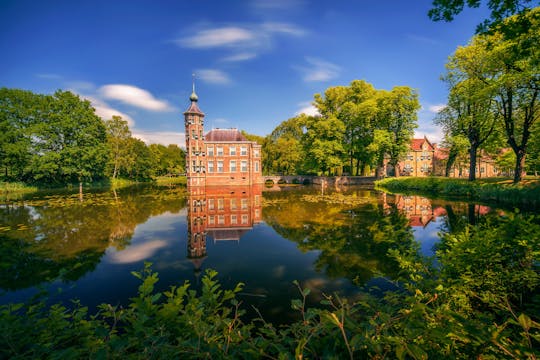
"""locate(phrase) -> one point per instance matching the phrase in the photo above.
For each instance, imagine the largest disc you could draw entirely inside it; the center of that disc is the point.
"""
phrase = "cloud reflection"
(137, 253)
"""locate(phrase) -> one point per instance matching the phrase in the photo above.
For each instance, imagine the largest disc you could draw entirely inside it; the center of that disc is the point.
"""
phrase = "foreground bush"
(480, 302)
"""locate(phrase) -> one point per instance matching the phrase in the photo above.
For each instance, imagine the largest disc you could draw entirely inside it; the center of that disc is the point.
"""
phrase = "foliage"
(357, 126)
(500, 9)
(53, 140)
(482, 302)
(494, 88)
(493, 190)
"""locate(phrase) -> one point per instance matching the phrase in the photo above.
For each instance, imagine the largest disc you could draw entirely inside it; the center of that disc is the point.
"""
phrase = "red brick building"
(220, 157)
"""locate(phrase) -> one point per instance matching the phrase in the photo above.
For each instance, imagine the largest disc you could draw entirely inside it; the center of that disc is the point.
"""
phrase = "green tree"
(323, 143)
(68, 141)
(397, 115)
(18, 110)
(500, 9)
(471, 106)
(354, 105)
(282, 149)
(516, 65)
(118, 135)
(167, 159)
(141, 163)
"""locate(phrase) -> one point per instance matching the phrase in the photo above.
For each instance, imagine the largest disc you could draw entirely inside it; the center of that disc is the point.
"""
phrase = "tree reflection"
(60, 237)
(354, 230)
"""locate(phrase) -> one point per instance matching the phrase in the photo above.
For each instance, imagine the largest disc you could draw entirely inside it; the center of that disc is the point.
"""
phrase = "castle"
(220, 157)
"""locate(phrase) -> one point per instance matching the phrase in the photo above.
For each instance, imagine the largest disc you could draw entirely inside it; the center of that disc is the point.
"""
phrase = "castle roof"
(225, 135)
(416, 144)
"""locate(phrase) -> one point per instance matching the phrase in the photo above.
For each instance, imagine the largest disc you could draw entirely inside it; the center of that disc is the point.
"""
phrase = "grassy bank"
(500, 190)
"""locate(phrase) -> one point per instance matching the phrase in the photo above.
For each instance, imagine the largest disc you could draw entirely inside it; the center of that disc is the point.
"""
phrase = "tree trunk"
(472, 165)
(520, 166)
(451, 160)
(80, 191)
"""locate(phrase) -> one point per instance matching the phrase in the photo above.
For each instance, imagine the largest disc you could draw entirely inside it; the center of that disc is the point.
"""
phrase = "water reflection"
(223, 213)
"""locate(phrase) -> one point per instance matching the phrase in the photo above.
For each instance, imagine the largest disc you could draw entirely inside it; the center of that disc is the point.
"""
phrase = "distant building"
(221, 156)
(425, 158)
(419, 159)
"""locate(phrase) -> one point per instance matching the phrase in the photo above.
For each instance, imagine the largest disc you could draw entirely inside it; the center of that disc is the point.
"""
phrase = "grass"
(16, 187)
(170, 180)
(499, 190)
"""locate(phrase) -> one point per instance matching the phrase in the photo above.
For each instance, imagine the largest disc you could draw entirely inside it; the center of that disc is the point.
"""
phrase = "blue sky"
(257, 62)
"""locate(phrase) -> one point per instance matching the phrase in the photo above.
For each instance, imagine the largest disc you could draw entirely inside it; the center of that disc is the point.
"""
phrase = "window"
(210, 150)
(256, 153)
(256, 166)
(221, 220)
(244, 166)
(244, 219)
(482, 169)
(219, 150)
(210, 166)
(232, 150)
(211, 220)
(244, 204)
(257, 200)
(243, 150)
(220, 204)
(233, 204)
(220, 166)
(425, 168)
(232, 166)
(234, 219)
(210, 204)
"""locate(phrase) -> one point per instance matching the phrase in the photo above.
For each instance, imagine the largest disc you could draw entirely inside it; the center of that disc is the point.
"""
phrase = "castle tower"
(195, 151)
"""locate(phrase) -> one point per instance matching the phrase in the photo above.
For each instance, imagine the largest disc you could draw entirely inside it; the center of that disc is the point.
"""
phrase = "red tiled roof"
(225, 135)
(416, 144)
(194, 109)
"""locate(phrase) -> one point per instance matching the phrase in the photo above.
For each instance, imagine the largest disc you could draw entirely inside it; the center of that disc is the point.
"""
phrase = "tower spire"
(193, 96)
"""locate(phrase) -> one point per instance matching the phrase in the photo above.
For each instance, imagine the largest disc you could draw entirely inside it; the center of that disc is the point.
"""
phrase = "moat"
(332, 240)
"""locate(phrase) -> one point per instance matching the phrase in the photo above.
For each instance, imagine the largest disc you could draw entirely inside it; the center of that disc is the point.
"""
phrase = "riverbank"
(14, 190)
(500, 190)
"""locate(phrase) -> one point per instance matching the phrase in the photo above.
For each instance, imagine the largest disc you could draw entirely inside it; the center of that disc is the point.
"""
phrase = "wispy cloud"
(240, 57)
(319, 70)
(106, 112)
(308, 109)
(436, 108)
(219, 37)
(246, 41)
(50, 76)
(213, 76)
(134, 96)
(161, 137)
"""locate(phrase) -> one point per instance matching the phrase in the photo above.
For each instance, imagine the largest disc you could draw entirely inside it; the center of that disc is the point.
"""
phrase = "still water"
(329, 240)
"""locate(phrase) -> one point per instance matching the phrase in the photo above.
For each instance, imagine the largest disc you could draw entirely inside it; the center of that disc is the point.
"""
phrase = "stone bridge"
(319, 180)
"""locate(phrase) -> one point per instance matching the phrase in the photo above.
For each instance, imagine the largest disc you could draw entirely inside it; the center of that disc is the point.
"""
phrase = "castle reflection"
(221, 213)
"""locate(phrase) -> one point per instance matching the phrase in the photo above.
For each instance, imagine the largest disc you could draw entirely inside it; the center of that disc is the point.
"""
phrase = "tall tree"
(516, 65)
(118, 135)
(356, 107)
(397, 115)
(18, 110)
(323, 142)
(68, 141)
(470, 110)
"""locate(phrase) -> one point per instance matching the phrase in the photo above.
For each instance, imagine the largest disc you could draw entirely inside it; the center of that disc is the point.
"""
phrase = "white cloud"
(212, 76)
(104, 111)
(432, 132)
(161, 137)
(218, 37)
(135, 253)
(240, 57)
(308, 109)
(436, 108)
(221, 121)
(135, 96)
(246, 40)
(319, 70)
